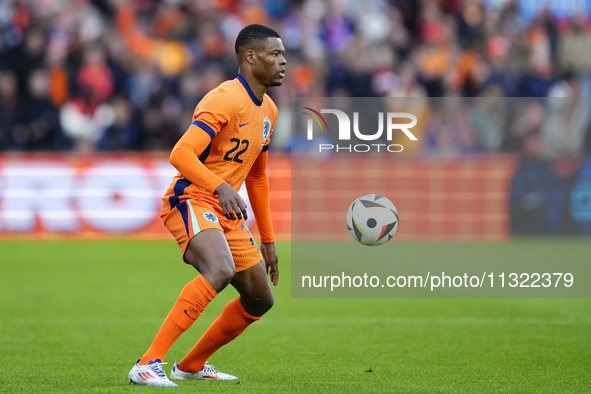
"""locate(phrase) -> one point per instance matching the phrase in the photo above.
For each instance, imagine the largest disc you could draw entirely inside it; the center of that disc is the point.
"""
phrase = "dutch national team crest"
(266, 128)
(210, 217)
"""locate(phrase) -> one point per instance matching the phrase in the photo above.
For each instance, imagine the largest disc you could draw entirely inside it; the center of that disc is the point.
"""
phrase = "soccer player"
(225, 146)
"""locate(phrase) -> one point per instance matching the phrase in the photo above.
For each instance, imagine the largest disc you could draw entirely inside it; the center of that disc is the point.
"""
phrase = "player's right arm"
(208, 119)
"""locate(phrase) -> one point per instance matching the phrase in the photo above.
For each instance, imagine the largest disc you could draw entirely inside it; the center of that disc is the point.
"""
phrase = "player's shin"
(232, 322)
(194, 298)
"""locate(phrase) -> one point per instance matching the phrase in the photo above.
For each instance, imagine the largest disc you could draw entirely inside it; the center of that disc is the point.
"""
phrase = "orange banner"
(119, 195)
(464, 199)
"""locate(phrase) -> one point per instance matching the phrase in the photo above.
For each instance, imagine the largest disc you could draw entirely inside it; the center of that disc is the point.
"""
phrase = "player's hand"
(271, 261)
(232, 204)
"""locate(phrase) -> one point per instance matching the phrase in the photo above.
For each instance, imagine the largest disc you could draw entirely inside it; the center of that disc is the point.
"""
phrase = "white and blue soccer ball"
(372, 220)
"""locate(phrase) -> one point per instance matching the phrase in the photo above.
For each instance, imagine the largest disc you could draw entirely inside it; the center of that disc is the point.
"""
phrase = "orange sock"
(194, 298)
(231, 323)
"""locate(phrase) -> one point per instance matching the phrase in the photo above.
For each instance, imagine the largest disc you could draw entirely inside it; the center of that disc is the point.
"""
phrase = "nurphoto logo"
(344, 132)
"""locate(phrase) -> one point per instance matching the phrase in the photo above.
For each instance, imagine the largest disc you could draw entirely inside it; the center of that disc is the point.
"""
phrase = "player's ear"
(249, 55)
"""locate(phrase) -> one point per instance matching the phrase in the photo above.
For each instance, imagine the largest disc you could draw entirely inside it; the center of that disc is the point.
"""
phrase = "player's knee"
(271, 302)
(225, 273)
(266, 303)
(228, 272)
(219, 274)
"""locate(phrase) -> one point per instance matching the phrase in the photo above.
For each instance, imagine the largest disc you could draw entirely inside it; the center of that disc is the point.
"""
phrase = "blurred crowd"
(112, 75)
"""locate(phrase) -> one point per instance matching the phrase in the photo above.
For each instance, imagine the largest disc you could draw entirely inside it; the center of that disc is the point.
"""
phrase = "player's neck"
(257, 88)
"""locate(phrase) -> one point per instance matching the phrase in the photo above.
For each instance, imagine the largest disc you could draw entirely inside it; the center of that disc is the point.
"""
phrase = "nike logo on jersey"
(244, 124)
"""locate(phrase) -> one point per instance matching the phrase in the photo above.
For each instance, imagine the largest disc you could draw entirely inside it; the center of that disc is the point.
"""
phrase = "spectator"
(123, 133)
(488, 119)
(84, 120)
(574, 48)
(567, 119)
(8, 103)
(36, 121)
(95, 75)
(127, 74)
(27, 57)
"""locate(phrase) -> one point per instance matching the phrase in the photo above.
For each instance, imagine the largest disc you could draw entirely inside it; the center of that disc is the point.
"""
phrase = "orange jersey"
(238, 128)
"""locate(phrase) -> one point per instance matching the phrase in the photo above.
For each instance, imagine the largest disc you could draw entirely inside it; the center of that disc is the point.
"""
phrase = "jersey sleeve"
(185, 158)
(214, 111)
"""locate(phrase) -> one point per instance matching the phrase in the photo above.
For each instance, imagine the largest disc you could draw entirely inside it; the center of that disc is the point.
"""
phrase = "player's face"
(270, 65)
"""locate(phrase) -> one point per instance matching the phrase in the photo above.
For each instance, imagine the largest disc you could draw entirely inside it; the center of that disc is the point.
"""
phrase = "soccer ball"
(372, 220)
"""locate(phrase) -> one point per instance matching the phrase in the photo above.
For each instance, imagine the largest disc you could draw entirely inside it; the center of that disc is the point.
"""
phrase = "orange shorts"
(190, 217)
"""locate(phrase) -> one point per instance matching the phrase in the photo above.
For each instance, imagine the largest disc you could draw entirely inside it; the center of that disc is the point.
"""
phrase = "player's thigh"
(210, 254)
(197, 230)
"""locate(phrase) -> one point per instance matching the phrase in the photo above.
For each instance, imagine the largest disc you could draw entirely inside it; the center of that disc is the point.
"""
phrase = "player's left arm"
(257, 185)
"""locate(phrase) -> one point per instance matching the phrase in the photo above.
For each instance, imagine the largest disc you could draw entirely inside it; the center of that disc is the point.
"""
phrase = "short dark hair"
(253, 34)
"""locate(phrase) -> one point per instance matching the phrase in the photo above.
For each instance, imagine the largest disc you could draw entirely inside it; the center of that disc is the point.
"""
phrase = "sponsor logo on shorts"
(210, 217)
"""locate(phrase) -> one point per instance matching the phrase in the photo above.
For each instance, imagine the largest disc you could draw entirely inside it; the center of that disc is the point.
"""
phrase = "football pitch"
(75, 316)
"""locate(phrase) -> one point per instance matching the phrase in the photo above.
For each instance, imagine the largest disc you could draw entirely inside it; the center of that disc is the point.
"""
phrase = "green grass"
(74, 316)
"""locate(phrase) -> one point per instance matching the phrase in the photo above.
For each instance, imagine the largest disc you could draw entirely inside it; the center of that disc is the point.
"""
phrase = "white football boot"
(150, 375)
(207, 373)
